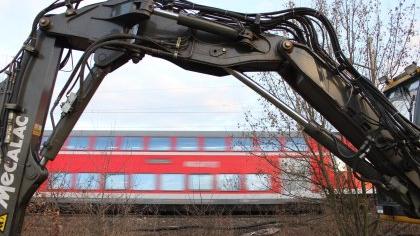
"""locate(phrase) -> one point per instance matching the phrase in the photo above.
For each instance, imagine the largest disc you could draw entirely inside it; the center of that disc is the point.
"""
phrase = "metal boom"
(206, 40)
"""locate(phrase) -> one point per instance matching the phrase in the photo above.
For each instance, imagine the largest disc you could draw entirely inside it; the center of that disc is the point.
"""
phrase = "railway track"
(177, 210)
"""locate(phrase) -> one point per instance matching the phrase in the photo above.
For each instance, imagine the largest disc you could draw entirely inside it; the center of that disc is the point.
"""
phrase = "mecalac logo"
(8, 176)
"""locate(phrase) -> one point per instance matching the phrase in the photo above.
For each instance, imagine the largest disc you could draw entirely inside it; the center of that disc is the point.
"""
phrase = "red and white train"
(149, 167)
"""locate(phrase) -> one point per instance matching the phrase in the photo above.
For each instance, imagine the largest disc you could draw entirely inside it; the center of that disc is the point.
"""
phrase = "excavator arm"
(206, 40)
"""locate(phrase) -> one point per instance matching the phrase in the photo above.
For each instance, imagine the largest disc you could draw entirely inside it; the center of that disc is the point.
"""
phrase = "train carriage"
(180, 168)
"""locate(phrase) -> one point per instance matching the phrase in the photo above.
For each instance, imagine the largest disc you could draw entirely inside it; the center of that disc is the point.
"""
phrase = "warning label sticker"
(3, 220)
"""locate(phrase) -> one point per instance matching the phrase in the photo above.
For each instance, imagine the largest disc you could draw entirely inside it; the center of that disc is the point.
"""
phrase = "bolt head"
(287, 46)
(44, 22)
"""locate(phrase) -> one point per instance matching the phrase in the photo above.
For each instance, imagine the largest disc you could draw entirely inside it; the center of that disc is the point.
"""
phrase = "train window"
(295, 176)
(242, 144)
(172, 182)
(105, 143)
(78, 143)
(88, 181)
(160, 144)
(143, 182)
(269, 144)
(200, 182)
(228, 182)
(214, 144)
(187, 144)
(132, 143)
(257, 182)
(60, 181)
(115, 181)
(295, 144)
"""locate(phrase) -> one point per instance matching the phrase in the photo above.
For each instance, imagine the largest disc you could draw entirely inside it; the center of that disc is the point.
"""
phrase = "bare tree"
(378, 44)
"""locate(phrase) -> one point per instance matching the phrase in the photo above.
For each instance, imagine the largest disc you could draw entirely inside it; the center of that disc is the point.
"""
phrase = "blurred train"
(183, 168)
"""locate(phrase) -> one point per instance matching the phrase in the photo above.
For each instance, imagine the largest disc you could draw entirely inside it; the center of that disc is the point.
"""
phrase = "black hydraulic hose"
(65, 59)
(384, 105)
(106, 41)
(242, 16)
(76, 69)
(296, 30)
(363, 81)
(288, 13)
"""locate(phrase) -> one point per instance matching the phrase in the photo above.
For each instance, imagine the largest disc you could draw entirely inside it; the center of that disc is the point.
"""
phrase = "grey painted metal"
(36, 84)
(200, 24)
(209, 48)
(332, 95)
(166, 14)
(199, 55)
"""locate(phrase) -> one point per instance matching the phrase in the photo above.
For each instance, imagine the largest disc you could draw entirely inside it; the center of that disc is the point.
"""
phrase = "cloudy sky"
(154, 94)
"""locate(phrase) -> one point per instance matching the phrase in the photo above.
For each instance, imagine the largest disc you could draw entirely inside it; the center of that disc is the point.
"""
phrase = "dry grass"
(307, 224)
(173, 225)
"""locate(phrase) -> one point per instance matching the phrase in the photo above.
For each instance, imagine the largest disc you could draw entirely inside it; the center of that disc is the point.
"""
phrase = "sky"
(153, 94)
